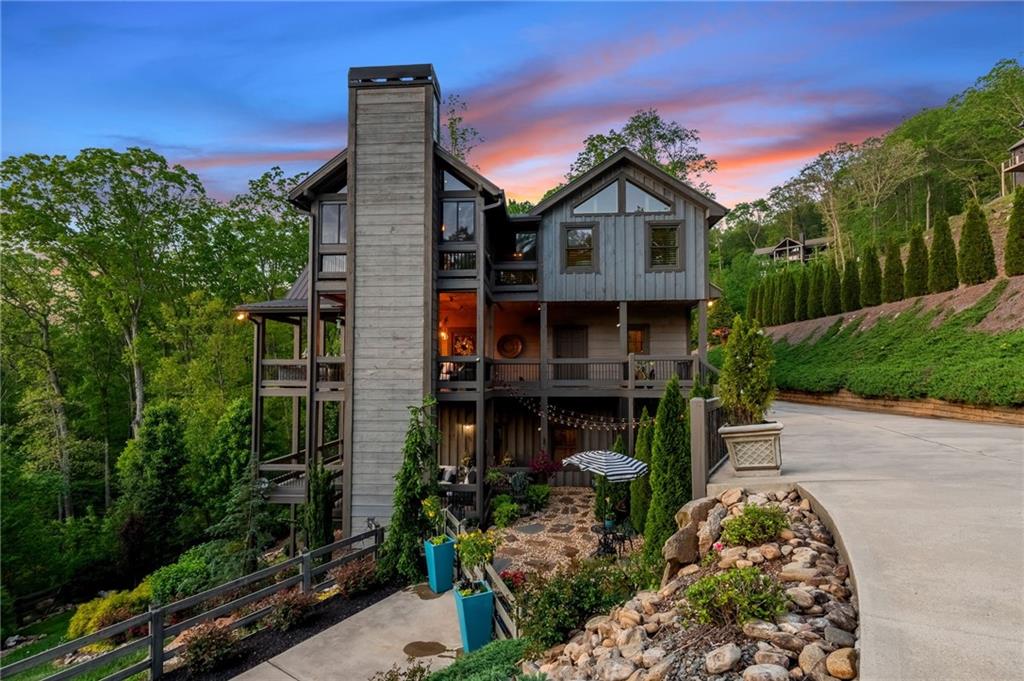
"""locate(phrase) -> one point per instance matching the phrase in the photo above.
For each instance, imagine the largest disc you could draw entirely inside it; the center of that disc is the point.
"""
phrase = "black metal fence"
(707, 448)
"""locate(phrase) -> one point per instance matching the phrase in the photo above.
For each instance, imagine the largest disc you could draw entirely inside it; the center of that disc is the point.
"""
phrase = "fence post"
(156, 642)
(698, 447)
(304, 568)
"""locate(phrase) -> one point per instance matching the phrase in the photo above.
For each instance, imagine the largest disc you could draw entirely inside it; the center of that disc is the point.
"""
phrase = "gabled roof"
(1020, 143)
(300, 194)
(715, 209)
(469, 171)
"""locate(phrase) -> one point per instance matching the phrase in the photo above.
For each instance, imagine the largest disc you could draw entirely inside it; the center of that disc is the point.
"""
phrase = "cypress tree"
(942, 266)
(832, 301)
(640, 489)
(850, 293)
(768, 306)
(870, 279)
(892, 274)
(777, 300)
(787, 312)
(815, 288)
(1013, 258)
(976, 257)
(751, 297)
(758, 312)
(915, 277)
(800, 304)
(670, 469)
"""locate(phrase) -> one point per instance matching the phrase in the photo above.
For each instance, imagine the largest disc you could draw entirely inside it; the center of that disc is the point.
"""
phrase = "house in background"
(1012, 175)
(794, 250)
(548, 331)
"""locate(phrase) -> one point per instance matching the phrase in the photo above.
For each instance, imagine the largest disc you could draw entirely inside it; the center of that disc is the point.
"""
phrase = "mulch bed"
(267, 643)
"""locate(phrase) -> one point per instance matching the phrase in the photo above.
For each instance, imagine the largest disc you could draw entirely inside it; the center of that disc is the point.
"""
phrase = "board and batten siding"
(622, 256)
(392, 173)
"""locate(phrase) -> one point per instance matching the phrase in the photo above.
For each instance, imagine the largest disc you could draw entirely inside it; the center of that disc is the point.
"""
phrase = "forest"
(126, 372)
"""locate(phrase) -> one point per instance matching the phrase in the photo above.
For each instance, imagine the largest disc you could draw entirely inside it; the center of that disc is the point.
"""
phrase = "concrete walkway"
(931, 513)
(411, 622)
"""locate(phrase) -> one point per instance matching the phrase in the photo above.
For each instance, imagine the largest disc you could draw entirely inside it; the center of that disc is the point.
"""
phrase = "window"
(458, 221)
(663, 251)
(604, 201)
(641, 201)
(638, 339)
(454, 184)
(333, 264)
(526, 246)
(580, 246)
(333, 223)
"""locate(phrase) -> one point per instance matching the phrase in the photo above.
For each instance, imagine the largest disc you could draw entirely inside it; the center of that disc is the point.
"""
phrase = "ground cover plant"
(754, 525)
(496, 661)
(734, 597)
(911, 357)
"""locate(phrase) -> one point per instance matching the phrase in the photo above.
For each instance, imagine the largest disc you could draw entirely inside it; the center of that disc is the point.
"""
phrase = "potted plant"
(746, 390)
(474, 600)
(439, 549)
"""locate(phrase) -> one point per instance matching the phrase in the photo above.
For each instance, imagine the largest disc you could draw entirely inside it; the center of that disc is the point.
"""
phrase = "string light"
(568, 417)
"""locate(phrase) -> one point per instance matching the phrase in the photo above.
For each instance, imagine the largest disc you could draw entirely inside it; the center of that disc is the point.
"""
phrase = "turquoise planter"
(476, 613)
(440, 559)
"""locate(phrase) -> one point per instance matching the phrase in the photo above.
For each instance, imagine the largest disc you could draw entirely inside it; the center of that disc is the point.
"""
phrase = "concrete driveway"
(931, 513)
(413, 622)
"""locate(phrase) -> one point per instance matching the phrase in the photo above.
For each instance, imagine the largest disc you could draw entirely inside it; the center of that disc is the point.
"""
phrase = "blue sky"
(230, 89)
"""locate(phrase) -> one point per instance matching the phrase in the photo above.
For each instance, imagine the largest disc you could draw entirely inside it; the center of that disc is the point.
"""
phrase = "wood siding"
(457, 442)
(667, 327)
(391, 143)
(622, 258)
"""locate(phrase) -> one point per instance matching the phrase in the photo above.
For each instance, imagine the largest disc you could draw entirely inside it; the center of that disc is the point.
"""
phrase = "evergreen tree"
(415, 481)
(976, 256)
(246, 527)
(915, 277)
(1014, 254)
(316, 512)
(870, 279)
(942, 265)
(787, 311)
(226, 460)
(800, 302)
(832, 302)
(815, 291)
(892, 273)
(640, 489)
(670, 469)
(751, 301)
(850, 293)
(755, 313)
(776, 299)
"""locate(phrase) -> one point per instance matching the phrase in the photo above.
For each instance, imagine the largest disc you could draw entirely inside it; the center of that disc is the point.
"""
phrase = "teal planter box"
(476, 614)
(440, 559)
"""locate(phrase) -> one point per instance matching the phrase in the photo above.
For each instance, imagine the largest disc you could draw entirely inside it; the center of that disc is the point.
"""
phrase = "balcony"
(286, 475)
(287, 377)
(635, 372)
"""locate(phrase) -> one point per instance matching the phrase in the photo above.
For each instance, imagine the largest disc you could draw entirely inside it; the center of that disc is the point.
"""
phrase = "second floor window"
(663, 252)
(526, 246)
(333, 223)
(580, 244)
(458, 221)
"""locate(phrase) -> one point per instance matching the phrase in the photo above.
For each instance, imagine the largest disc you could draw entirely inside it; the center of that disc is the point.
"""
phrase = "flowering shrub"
(514, 579)
(435, 516)
(207, 647)
(289, 608)
(543, 465)
(476, 548)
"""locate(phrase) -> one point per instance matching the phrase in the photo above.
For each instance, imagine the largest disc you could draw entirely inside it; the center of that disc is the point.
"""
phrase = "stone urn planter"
(754, 449)
(476, 612)
(440, 561)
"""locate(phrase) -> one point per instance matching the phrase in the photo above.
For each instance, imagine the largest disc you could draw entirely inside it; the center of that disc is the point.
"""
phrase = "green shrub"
(755, 525)
(800, 304)
(556, 603)
(208, 647)
(892, 273)
(832, 300)
(870, 279)
(288, 609)
(104, 611)
(734, 597)
(787, 298)
(415, 671)
(537, 496)
(476, 547)
(496, 661)
(850, 292)
(640, 489)
(670, 467)
(505, 513)
(976, 257)
(815, 289)
(745, 383)
(518, 483)
(200, 568)
(915, 276)
(1013, 257)
(942, 265)
(355, 577)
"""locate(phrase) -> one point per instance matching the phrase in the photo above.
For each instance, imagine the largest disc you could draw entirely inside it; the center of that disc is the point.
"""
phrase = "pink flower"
(719, 546)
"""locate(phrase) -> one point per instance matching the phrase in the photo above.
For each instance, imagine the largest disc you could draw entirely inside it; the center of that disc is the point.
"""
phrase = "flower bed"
(779, 608)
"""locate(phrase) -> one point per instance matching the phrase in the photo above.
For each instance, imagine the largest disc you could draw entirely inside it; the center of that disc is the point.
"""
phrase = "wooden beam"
(702, 330)
(296, 443)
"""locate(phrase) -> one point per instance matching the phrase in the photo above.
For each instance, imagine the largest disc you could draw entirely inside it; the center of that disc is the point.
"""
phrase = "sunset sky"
(230, 89)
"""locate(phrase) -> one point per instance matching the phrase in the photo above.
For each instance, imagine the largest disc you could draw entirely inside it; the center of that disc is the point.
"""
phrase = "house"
(1012, 175)
(794, 250)
(548, 331)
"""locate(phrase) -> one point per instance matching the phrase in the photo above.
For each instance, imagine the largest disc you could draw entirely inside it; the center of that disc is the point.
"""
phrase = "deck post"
(305, 568)
(156, 642)
(702, 330)
(698, 447)
(256, 439)
(544, 351)
(296, 401)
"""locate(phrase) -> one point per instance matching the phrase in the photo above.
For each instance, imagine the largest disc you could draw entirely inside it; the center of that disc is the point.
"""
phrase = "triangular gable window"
(454, 184)
(642, 201)
(604, 201)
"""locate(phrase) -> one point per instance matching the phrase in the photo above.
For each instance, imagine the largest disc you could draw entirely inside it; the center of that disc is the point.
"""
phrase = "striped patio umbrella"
(612, 465)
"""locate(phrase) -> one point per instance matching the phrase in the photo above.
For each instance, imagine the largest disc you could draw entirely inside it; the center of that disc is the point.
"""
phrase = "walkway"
(414, 621)
(930, 512)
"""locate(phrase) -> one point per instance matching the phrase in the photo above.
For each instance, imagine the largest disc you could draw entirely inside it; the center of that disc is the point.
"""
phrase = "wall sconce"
(711, 304)
(443, 335)
(241, 316)
(467, 428)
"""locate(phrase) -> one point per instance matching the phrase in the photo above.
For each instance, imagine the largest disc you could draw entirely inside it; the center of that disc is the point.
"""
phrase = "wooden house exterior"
(548, 331)
(1012, 175)
(794, 250)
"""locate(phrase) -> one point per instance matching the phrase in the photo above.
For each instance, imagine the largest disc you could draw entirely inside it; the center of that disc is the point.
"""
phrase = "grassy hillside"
(922, 350)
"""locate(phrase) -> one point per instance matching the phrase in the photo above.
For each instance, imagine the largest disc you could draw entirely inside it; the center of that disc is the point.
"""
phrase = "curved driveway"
(931, 513)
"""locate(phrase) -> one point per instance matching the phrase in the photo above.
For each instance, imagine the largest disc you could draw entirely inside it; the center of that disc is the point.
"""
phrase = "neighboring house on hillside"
(1013, 169)
(546, 331)
(794, 250)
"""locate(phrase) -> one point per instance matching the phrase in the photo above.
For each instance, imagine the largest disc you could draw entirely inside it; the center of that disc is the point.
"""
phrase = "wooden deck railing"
(308, 571)
(631, 372)
(707, 448)
(288, 376)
